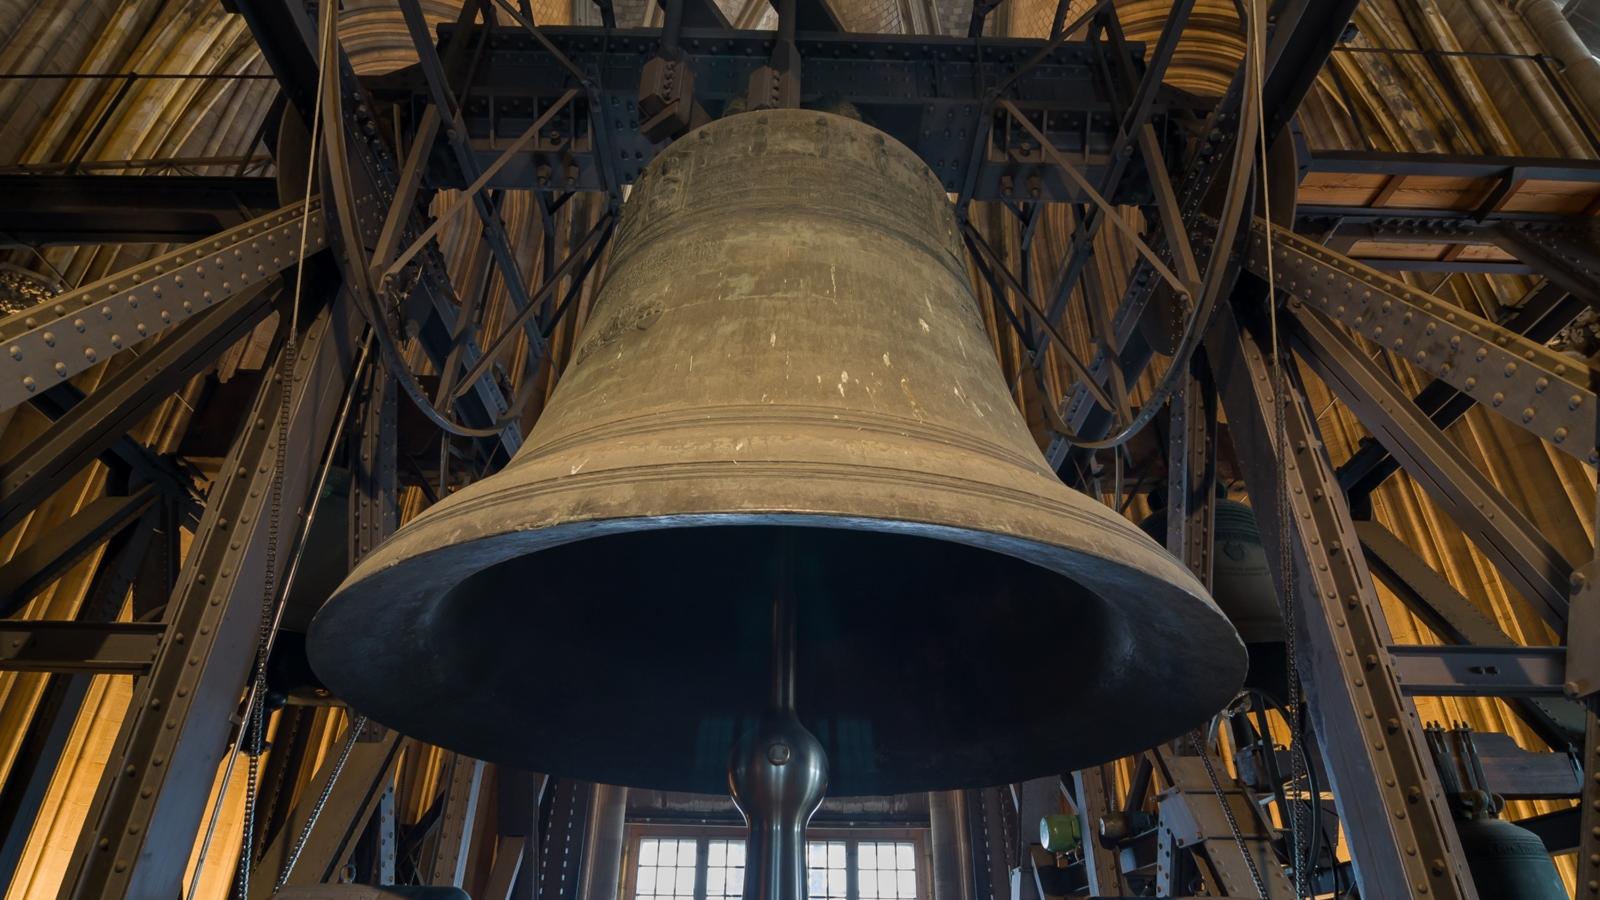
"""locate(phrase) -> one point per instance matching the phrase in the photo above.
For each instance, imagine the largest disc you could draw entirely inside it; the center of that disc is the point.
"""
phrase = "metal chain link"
(269, 595)
(1227, 811)
(357, 725)
(1297, 758)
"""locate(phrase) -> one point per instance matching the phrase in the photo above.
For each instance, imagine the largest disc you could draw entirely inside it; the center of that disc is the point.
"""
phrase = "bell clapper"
(778, 771)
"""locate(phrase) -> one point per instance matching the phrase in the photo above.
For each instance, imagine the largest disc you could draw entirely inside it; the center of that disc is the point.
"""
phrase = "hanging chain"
(1204, 753)
(257, 722)
(357, 725)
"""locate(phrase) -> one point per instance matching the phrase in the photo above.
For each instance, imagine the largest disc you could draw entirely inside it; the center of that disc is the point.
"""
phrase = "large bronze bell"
(784, 392)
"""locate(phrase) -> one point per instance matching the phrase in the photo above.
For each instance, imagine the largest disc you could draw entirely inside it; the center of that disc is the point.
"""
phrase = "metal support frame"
(1570, 257)
(1454, 618)
(1543, 312)
(362, 790)
(56, 712)
(561, 840)
(1192, 471)
(1525, 558)
(126, 459)
(1476, 671)
(107, 648)
(447, 865)
(1191, 818)
(1305, 33)
(990, 871)
(444, 101)
(518, 798)
(370, 174)
(325, 843)
(89, 428)
(1137, 96)
(1093, 795)
(932, 94)
(148, 792)
(40, 210)
(35, 566)
(1589, 817)
(926, 91)
(1398, 827)
(1528, 384)
(44, 347)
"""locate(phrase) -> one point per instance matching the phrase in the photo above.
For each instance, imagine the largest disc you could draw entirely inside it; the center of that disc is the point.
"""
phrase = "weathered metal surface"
(45, 346)
(148, 791)
(786, 342)
(1388, 796)
(1525, 383)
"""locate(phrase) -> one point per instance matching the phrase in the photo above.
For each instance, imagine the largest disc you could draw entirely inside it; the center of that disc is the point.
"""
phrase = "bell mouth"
(636, 651)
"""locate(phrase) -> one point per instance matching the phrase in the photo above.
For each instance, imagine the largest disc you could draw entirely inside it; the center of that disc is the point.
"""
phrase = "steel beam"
(1094, 795)
(41, 210)
(1558, 830)
(925, 91)
(38, 564)
(1304, 34)
(561, 841)
(1543, 312)
(1472, 671)
(55, 714)
(93, 425)
(126, 458)
(1451, 165)
(1192, 471)
(1455, 619)
(990, 872)
(363, 788)
(1389, 224)
(517, 800)
(1192, 811)
(447, 866)
(603, 844)
(1524, 557)
(430, 307)
(149, 791)
(325, 843)
(1542, 391)
(1589, 804)
(1567, 256)
(374, 485)
(48, 344)
(106, 648)
(1399, 829)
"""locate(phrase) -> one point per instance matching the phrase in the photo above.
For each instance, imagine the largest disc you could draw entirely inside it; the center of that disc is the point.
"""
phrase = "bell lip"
(399, 589)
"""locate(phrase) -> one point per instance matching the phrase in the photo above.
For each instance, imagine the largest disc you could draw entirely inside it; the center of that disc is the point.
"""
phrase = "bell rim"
(379, 582)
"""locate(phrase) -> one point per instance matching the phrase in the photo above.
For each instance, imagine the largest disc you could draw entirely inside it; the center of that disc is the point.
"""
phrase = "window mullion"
(702, 850)
(852, 880)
